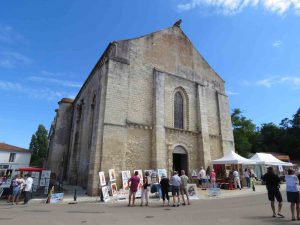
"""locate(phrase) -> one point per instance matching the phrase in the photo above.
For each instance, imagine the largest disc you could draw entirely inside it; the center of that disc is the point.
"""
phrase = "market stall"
(264, 160)
(225, 165)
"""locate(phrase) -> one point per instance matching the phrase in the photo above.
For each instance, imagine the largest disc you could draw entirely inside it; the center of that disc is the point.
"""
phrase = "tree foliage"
(39, 146)
(243, 132)
(270, 137)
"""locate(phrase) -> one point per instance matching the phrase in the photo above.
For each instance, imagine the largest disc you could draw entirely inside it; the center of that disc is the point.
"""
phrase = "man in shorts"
(133, 184)
(273, 184)
(175, 182)
(183, 187)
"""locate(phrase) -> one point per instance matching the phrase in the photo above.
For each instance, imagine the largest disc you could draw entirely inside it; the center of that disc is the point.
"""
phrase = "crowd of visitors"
(20, 187)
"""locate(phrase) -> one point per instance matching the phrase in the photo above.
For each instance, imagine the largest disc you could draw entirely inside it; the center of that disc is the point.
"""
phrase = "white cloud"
(229, 7)
(55, 81)
(231, 93)
(292, 81)
(8, 34)
(40, 93)
(10, 59)
(277, 44)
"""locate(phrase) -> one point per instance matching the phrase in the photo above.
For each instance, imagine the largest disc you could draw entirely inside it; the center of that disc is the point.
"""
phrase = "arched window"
(178, 110)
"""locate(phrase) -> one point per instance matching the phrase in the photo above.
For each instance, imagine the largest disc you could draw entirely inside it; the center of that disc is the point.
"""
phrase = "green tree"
(39, 146)
(244, 132)
(272, 137)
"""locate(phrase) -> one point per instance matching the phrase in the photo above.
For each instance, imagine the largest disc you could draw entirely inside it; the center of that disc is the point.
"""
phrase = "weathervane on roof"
(177, 23)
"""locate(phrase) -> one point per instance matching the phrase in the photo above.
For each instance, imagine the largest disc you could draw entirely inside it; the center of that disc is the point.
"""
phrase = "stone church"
(149, 102)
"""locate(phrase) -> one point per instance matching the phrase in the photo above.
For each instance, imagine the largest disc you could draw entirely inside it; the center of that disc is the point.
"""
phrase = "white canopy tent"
(233, 158)
(268, 159)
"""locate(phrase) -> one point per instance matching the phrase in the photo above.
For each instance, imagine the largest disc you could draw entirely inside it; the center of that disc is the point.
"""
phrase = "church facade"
(150, 102)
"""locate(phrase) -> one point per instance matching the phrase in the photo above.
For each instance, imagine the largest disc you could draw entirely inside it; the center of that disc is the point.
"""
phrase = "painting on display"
(105, 193)
(34, 188)
(149, 171)
(102, 178)
(125, 177)
(35, 181)
(57, 197)
(161, 172)
(194, 174)
(123, 194)
(47, 181)
(46, 190)
(112, 175)
(42, 182)
(192, 191)
(35, 174)
(46, 174)
(114, 189)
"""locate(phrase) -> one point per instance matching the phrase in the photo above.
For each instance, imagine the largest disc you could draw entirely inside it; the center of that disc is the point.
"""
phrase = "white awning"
(233, 158)
(268, 159)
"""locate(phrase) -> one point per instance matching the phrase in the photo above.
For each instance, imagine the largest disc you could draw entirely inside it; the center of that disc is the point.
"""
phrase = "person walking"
(272, 182)
(236, 179)
(145, 189)
(165, 185)
(183, 187)
(202, 175)
(28, 188)
(292, 192)
(252, 181)
(247, 177)
(133, 184)
(175, 182)
(213, 178)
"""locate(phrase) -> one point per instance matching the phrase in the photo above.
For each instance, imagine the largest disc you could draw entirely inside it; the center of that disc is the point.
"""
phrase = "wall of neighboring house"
(22, 159)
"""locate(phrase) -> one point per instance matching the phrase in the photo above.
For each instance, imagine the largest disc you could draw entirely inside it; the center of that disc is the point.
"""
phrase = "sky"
(48, 48)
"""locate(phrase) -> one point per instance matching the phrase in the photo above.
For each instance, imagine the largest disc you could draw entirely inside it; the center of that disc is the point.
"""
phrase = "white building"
(12, 157)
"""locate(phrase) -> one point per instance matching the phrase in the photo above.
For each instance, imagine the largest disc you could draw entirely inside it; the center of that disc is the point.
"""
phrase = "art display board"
(42, 182)
(57, 197)
(46, 174)
(192, 191)
(105, 193)
(102, 178)
(214, 192)
(123, 194)
(194, 174)
(112, 174)
(46, 190)
(161, 172)
(35, 175)
(125, 177)
(114, 189)
(150, 171)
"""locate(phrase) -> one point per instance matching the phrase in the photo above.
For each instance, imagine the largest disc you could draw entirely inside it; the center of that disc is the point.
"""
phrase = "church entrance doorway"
(180, 159)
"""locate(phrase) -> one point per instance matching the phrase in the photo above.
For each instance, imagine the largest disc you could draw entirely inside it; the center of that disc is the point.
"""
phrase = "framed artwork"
(102, 178)
(161, 172)
(192, 191)
(35, 181)
(105, 193)
(47, 181)
(35, 174)
(125, 177)
(42, 182)
(114, 190)
(112, 175)
(34, 188)
(194, 174)
(46, 190)
(123, 194)
(46, 174)
(149, 171)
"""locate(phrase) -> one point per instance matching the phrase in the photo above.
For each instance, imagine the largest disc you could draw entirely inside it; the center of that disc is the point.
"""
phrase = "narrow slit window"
(178, 110)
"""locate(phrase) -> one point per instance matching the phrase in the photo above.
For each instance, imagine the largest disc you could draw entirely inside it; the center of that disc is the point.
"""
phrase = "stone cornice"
(176, 130)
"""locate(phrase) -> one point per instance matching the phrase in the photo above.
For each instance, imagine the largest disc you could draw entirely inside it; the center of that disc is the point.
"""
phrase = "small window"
(12, 157)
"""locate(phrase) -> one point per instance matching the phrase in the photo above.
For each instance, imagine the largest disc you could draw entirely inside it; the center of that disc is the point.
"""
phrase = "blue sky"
(47, 49)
